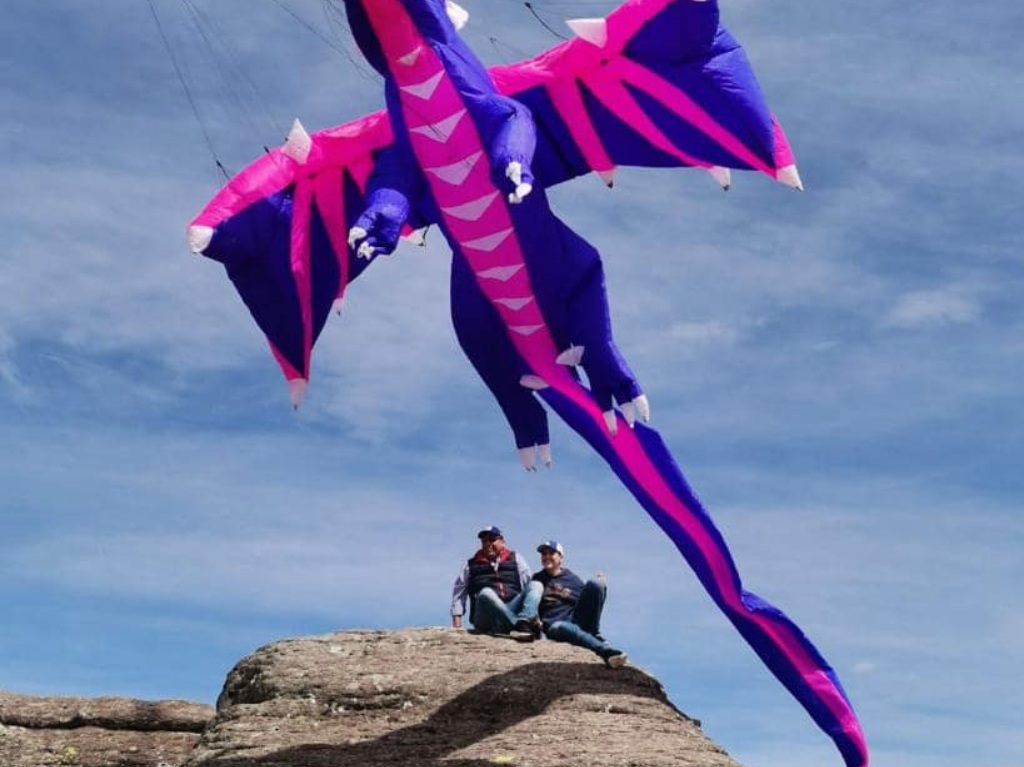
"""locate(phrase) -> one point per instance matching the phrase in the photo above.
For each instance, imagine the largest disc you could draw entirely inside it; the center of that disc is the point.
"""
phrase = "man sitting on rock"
(502, 598)
(570, 610)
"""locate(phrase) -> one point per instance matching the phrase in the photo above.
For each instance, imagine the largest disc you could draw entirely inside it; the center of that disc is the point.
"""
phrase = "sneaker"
(523, 626)
(615, 659)
(536, 627)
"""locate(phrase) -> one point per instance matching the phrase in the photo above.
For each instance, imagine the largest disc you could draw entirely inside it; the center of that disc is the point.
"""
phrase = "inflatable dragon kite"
(657, 83)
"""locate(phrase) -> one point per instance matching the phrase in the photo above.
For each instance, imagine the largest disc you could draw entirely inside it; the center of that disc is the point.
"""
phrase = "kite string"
(187, 90)
(226, 63)
(543, 23)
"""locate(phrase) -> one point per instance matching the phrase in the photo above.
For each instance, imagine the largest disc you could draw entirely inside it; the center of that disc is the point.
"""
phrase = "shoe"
(536, 627)
(523, 626)
(615, 659)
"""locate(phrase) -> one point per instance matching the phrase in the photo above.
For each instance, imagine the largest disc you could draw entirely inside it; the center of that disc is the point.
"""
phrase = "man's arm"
(459, 597)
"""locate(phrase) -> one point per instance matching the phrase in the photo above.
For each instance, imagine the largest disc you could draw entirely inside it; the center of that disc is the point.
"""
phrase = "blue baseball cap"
(551, 546)
(492, 531)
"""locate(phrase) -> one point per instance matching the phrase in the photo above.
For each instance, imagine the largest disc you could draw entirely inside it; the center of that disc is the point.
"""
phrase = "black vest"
(504, 580)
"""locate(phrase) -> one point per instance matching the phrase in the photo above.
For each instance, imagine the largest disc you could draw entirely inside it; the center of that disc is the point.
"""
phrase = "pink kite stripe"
(677, 101)
(330, 199)
(615, 96)
(265, 176)
(783, 151)
(290, 373)
(300, 263)
(632, 454)
(569, 102)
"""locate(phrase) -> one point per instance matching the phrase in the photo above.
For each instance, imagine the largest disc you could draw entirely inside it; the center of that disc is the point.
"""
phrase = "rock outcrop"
(416, 698)
(98, 732)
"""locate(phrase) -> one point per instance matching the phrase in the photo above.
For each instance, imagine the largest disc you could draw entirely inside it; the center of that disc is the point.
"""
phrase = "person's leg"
(531, 600)
(491, 615)
(587, 613)
(567, 631)
(586, 620)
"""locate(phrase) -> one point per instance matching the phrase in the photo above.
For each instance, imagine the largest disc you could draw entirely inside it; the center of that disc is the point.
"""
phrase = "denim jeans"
(584, 627)
(492, 615)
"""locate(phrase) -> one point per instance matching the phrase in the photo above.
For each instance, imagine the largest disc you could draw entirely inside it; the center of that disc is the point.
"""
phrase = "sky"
(837, 372)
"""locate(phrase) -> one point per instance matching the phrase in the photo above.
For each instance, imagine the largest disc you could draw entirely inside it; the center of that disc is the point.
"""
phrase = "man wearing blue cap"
(570, 610)
(502, 597)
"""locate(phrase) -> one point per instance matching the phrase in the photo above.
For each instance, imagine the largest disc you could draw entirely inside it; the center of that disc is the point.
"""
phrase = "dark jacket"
(561, 593)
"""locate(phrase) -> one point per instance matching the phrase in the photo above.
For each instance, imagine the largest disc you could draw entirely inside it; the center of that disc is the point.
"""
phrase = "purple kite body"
(658, 83)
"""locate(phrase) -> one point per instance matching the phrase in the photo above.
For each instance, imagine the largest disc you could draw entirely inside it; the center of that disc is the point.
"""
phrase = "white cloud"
(949, 306)
(702, 333)
(20, 392)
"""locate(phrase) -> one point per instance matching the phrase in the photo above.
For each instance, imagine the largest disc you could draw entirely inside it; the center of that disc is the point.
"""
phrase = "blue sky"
(838, 373)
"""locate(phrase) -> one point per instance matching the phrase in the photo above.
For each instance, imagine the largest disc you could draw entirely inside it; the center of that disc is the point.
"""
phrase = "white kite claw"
(521, 191)
(355, 234)
(643, 408)
(514, 173)
(526, 458)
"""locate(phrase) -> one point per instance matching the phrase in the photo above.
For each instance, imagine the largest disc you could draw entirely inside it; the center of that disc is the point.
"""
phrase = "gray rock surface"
(98, 732)
(431, 697)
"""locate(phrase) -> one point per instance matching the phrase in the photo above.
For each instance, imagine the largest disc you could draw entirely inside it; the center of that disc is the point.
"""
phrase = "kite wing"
(657, 83)
(280, 228)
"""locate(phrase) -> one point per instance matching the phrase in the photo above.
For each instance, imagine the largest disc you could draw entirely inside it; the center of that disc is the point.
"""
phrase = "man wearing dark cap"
(570, 610)
(502, 598)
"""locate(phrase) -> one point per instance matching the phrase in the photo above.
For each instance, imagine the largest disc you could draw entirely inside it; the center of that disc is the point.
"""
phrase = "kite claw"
(528, 456)
(643, 407)
(514, 173)
(355, 234)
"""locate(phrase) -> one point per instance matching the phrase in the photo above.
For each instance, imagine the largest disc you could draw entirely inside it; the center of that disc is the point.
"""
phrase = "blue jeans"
(583, 628)
(493, 616)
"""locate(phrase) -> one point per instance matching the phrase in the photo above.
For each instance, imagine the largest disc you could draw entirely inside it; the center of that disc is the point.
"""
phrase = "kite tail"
(643, 462)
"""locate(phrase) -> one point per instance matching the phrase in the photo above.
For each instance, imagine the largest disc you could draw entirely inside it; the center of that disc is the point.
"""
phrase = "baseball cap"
(553, 546)
(492, 530)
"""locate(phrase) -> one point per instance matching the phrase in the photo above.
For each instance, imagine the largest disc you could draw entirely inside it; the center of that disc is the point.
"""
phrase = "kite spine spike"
(417, 236)
(571, 357)
(298, 144)
(536, 383)
(594, 31)
(611, 422)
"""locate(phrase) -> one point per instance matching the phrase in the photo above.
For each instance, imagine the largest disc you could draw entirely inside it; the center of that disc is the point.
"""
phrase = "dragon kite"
(656, 83)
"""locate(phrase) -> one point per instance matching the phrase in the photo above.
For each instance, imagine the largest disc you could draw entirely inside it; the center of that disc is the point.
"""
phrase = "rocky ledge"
(417, 698)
